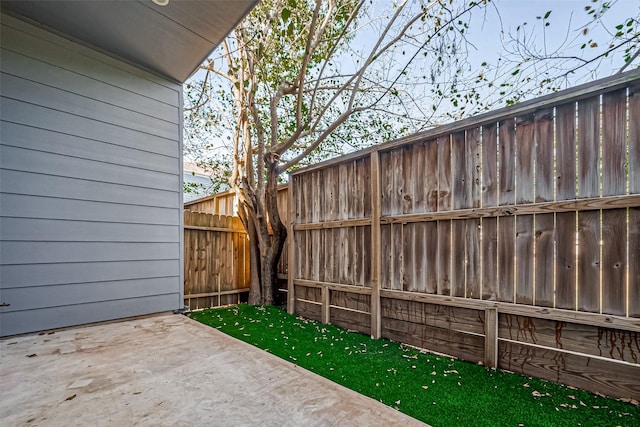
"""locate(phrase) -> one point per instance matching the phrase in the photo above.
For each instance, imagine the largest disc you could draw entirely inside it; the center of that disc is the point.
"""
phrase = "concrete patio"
(167, 370)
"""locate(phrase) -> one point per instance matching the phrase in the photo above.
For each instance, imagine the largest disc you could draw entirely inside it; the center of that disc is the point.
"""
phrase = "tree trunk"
(264, 258)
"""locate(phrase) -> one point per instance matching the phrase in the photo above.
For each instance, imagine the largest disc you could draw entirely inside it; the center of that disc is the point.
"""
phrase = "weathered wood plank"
(397, 256)
(544, 258)
(457, 344)
(409, 276)
(507, 147)
(614, 261)
(432, 176)
(308, 310)
(460, 173)
(506, 247)
(360, 302)
(397, 192)
(566, 151)
(544, 149)
(420, 258)
(595, 319)
(614, 140)
(565, 263)
(489, 258)
(586, 339)
(490, 165)
(443, 258)
(525, 159)
(431, 256)
(444, 173)
(419, 176)
(588, 266)
(352, 320)
(524, 259)
(409, 173)
(473, 259)
(386, 181)
(385, 256)
(609, 378)
(473, 152)
(458, 257)
(589, 147)
(439, 316)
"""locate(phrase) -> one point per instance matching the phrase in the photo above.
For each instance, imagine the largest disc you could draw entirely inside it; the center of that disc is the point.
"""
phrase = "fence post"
(326, 302)
(491, 337)
(375, 245)
(290, 254)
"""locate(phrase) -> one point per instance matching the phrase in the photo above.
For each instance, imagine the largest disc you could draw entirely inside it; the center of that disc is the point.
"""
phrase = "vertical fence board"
(489, 165)
(409, 271)
(410, 173)
(489, 258)
(458, 255)
(444, 173)
(443, 258)
(419, 175)
(565, 261)
(544, 148)
(473, 267)
(398, 181)
(566, 151)
(386, 254)
(524, 259)
(397, 266)
(473, 152)
(506, 244)
(614, 261)
(432, 175)
(589, 147)
(507, 147)
(431, 255)
(544, 260)
(460, 172)
(386, 183)
(525, 159)
(588, 264)
(614, 121)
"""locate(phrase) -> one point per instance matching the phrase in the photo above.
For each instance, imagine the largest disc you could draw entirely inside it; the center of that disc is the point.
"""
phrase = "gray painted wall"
(90, 185)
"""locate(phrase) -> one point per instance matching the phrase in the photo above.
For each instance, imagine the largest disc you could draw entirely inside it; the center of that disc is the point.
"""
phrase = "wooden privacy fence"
(216, 260)
(511, 238)
(225, 204)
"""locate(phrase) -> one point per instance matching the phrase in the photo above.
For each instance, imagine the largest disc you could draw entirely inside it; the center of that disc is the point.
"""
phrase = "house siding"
(90, 185)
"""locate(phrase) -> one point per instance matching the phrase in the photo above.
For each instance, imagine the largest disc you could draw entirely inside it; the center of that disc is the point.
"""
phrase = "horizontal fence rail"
(511, 238)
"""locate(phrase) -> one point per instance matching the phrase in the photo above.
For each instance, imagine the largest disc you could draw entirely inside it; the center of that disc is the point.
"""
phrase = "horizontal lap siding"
(90, 185)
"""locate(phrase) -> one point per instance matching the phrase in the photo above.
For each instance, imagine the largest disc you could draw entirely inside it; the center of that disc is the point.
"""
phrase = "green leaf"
(546, 15)
(286, 13)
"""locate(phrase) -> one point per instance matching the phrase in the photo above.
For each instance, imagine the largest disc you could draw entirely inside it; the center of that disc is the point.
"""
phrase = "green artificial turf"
(436, 389)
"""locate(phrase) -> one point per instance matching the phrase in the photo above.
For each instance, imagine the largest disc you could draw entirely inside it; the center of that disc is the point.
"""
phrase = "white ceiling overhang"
(170, 40)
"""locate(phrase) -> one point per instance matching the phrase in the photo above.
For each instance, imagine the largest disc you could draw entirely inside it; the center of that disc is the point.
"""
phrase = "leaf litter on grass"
(437, 389)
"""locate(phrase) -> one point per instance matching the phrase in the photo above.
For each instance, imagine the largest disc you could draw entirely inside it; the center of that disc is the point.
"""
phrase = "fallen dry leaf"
(453, 371)
(425, 387)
